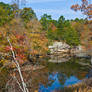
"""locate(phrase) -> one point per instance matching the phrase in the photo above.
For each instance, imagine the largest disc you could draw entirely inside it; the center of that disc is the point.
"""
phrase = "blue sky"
(56, 8)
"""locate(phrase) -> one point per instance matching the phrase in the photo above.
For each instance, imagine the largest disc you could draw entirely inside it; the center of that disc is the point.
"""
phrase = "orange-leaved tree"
(25, 40)
(85, 7)
(86, 32)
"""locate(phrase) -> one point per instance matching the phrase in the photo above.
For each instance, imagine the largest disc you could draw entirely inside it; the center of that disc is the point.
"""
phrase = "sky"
(55, 8)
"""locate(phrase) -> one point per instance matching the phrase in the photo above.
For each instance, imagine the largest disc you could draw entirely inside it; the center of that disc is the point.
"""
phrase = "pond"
(56, 75)
(64, 74)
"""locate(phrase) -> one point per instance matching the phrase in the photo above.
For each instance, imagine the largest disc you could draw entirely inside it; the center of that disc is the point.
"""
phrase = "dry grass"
(80, 87)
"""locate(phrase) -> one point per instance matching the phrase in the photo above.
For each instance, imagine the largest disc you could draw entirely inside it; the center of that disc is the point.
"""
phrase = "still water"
(57, 74)
(55, 83)
(64, 74)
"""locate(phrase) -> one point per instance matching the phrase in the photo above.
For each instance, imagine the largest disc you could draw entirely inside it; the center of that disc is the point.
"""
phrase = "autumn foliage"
(25, 40)
(86, 30)
(85, 7)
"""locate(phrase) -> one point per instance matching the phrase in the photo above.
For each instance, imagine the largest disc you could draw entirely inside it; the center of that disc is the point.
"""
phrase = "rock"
(82, 55)
(59, 47)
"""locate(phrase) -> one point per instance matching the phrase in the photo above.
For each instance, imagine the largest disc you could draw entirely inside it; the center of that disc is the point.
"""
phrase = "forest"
(25, 38)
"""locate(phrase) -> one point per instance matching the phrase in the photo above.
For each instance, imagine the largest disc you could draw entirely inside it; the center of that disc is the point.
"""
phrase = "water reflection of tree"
(39, 77)
(62, 78)
(69, 68)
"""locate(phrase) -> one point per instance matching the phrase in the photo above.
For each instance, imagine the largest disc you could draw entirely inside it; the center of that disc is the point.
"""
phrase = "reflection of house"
(59, 47)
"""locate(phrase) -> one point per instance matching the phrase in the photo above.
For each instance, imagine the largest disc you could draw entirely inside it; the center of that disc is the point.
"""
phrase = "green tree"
(45, 21)
(70, 36)
(6, 13)
(60, 22)
(64, 31)
(27, 14)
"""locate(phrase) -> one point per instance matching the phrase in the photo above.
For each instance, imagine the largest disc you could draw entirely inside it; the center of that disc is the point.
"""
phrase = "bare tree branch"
(18, 67)
(18, 83)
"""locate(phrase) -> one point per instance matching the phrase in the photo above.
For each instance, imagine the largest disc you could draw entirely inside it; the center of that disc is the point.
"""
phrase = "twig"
(18, 83)
(8, 83)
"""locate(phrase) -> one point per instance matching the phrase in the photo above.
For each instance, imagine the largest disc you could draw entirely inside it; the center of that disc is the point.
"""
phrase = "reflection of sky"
(56, 83)
(71, 80)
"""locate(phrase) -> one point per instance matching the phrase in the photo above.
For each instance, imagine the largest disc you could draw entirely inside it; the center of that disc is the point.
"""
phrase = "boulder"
(59, 47)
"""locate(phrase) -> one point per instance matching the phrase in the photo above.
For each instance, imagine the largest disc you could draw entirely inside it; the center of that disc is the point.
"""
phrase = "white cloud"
(31, 1)
(69, 14)
(6, 1)
(42, 1)
(55, 11)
